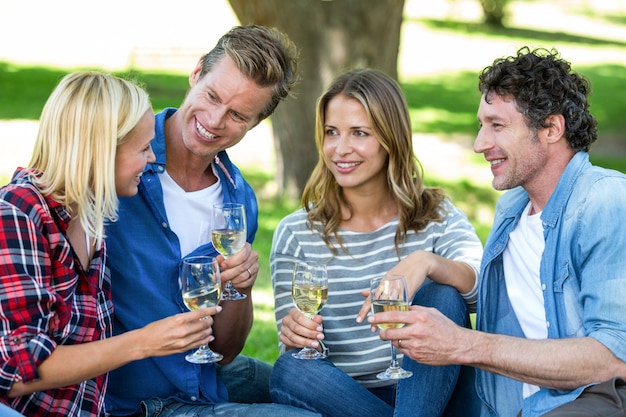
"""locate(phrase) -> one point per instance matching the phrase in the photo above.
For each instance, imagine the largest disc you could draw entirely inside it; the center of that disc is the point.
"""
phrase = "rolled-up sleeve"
(28, 308)
(599, 248)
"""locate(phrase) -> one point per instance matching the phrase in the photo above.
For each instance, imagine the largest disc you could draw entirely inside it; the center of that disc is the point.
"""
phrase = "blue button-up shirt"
(582, 272)
(144, 257)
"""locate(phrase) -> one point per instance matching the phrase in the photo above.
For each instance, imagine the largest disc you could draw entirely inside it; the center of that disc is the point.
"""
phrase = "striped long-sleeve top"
(352, 346)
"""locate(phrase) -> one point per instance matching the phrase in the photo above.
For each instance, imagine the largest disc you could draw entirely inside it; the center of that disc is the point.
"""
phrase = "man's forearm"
(553, 363)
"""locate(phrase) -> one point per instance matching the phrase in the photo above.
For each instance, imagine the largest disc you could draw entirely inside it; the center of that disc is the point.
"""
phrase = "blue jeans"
(319, 386)
(157, 407)
(247, 381)
(6, 411)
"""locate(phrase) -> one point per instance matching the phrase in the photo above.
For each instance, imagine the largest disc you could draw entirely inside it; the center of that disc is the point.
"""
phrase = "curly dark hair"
(543, 84)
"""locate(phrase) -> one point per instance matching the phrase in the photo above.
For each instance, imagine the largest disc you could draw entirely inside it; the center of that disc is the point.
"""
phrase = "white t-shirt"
(522, 258)
(190, 213)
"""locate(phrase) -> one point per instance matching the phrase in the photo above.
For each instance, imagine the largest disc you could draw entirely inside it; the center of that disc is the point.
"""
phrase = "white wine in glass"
(309, 291)
(380, 306)
(228, 242)
(389, 293)
(201, 287)
(229, 237)
(202, 297)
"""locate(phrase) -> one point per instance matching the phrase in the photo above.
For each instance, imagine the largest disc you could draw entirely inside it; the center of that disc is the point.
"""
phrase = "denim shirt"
(582, 273)
(144, 257)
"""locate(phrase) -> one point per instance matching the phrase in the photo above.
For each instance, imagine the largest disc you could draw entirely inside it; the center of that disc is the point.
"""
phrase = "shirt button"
(193, 398)
(17, 340)
(543, 287)
(164, 225)
(161, 168)
(547, 324)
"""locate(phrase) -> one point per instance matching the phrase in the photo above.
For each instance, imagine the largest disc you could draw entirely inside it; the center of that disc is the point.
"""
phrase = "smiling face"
(220, 108)
(352, 152)
(132, 156)
(517, 154)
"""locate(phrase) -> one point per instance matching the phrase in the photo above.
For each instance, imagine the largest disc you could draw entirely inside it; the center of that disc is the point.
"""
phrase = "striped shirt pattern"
(46, 300)
(353, 347)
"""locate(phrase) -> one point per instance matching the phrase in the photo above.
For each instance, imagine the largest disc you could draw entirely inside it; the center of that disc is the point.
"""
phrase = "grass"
(444, 104)
(25, 89)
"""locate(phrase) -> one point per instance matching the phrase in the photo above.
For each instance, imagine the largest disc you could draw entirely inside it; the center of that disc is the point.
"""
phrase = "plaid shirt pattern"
(46, 299)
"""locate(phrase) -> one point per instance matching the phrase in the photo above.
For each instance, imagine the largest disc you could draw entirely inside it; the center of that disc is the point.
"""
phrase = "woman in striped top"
(365, 213)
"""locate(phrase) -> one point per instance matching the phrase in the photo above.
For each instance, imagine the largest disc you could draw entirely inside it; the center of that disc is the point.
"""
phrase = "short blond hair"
(85, 119)
(263, 54)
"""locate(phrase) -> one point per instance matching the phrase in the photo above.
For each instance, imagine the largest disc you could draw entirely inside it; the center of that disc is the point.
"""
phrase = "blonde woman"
(55, 292)
(366, 212)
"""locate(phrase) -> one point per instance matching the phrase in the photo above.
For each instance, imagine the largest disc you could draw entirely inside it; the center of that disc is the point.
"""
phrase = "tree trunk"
(332, 36)
(494, 12)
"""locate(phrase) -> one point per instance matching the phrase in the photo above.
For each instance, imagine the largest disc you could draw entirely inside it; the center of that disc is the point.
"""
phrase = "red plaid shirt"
(46, 299)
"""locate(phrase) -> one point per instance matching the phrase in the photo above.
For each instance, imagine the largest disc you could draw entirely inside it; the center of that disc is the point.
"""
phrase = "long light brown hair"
(388, 115)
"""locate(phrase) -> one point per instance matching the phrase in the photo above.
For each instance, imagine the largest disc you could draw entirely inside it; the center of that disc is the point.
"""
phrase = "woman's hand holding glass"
(176, 334)
(302, 324)
(201, 287)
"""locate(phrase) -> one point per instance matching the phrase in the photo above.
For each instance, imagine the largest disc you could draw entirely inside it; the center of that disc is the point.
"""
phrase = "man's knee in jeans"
(246, 379)
(445, 299)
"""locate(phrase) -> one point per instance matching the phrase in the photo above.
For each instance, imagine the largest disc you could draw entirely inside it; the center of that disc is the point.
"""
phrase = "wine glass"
(200, 280)
(309, 291)
(229, 237)
(389, 293)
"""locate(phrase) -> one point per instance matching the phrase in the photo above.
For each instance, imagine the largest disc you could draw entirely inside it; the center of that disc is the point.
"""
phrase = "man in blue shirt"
(232, 88)
(551, 310)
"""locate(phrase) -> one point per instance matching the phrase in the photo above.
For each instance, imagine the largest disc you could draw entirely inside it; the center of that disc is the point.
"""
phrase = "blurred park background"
(443, 46)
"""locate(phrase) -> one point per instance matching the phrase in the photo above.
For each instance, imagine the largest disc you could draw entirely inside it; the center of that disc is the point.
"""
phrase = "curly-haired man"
(551, 316)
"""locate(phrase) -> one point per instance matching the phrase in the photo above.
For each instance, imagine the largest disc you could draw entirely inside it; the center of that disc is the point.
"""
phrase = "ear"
(556, 128)
(195, 74)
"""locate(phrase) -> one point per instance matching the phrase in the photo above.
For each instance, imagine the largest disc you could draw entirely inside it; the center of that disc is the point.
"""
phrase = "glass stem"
(309, 348)
(394, 360)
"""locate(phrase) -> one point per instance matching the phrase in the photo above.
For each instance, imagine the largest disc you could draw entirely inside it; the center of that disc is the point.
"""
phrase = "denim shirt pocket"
(568, 310)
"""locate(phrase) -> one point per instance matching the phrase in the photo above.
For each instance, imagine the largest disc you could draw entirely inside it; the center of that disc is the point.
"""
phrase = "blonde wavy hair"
(388, 115)
(87, 116)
